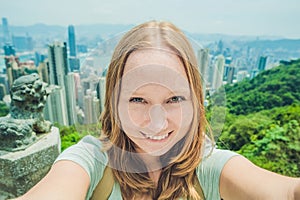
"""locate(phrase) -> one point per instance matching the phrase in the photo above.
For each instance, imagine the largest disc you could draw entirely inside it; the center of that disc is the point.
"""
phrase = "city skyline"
(244, 17)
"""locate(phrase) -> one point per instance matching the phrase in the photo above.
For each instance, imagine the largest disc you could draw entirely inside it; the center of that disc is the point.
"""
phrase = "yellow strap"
(105, 186)
(198, 188)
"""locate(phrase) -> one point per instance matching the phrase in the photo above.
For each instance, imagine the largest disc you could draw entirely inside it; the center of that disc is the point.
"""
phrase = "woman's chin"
(154, 152)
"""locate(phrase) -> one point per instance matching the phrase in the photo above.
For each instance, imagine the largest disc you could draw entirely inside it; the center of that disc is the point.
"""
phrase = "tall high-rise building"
(203, 58)
(43, 71)
(74, 62)
(262, 63)
(91, 107)
(230, 74)
(227, 67)
(88, 109)
(96, 110)
(6, 34)
(71, 98)
(102, 82)
(218, 72)
(58, 63)
(9, 50)
(76, 77)
(72, 42)
(56, 109)
(58, 70)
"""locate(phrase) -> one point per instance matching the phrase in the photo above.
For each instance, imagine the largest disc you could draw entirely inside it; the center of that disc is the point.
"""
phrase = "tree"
(4, 110)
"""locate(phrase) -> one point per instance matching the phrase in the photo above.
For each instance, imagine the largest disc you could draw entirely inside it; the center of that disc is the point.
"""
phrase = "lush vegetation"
(262, 119)
(4, 110)
(72, 134)
(272, 88)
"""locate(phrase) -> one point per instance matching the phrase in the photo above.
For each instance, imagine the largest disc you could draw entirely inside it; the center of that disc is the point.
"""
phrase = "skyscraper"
(73, 60)
(58, 63)
(262, 63)
(218, 72)
(43, 71)
(71, 98)
(102, 82)
(6, 34)
(9, 50)
(203, 58)
(72, 42)
(58, 69)
(229, 70)
(56, 109)
(230, 74)
(91, 107)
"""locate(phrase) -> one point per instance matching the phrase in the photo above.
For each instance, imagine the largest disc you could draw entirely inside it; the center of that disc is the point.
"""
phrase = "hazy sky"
(238, 17)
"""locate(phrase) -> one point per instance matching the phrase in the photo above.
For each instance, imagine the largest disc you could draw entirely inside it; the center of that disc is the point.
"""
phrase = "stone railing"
(28, 143)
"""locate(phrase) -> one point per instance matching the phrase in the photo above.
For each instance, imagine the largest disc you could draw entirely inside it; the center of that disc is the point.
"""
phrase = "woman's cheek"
(138, 115)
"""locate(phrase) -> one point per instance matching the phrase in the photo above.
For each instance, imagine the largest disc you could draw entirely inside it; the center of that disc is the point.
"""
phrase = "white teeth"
(160, 137)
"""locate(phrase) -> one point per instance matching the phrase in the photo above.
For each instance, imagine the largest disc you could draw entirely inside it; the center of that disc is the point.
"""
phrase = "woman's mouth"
(157, 137)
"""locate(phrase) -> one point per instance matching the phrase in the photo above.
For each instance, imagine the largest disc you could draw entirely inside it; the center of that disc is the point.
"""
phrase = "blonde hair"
(178, 177)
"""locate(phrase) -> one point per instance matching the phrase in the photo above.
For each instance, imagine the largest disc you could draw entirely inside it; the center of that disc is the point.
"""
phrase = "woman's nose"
(158, 119)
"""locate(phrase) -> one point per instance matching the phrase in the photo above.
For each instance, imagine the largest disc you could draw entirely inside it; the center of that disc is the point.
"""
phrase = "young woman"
(153, 134)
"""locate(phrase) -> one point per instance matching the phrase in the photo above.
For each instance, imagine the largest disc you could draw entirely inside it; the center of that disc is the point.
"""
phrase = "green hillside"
(263, 119)
(273, 88)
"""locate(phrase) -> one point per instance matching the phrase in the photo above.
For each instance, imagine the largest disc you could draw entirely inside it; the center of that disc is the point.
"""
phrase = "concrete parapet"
(21, 170)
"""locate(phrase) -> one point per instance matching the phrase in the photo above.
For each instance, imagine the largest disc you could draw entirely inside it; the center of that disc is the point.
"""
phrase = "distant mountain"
(229, 38)
(105, 30)
(291, 44)
(43, 30)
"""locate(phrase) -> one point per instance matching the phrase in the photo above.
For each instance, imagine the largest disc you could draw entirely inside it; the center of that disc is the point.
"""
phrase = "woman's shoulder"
(89, 155)
(88, 147)
(210, 168)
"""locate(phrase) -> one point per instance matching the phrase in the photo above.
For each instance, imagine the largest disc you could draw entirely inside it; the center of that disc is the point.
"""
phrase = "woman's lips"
(157, 137)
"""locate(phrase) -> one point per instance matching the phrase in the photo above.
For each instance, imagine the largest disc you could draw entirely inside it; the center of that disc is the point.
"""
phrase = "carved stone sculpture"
(20, 127)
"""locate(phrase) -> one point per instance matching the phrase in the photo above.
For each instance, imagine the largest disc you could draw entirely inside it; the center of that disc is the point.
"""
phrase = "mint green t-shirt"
(87, 154)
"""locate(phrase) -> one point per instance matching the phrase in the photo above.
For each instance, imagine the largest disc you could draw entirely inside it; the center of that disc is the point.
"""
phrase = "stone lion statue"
(25, 119)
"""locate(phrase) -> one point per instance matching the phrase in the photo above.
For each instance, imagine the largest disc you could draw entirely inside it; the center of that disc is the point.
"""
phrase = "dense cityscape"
(76, 64)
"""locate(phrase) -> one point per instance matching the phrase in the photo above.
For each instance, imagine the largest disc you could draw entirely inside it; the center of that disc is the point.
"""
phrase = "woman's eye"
(137, 100)
(176, 99)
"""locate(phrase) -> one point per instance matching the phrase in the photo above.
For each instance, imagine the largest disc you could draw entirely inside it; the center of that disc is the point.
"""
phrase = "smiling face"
(155, 107)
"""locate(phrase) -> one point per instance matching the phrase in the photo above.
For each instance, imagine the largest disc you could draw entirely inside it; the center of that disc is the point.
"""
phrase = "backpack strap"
(198, 188)
(105, 186)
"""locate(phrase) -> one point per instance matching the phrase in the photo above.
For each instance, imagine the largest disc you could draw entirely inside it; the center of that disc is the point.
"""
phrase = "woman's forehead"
(154, 74)
(155, 56)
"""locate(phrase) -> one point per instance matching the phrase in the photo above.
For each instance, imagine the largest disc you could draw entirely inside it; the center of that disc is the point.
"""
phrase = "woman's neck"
(153, 165)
